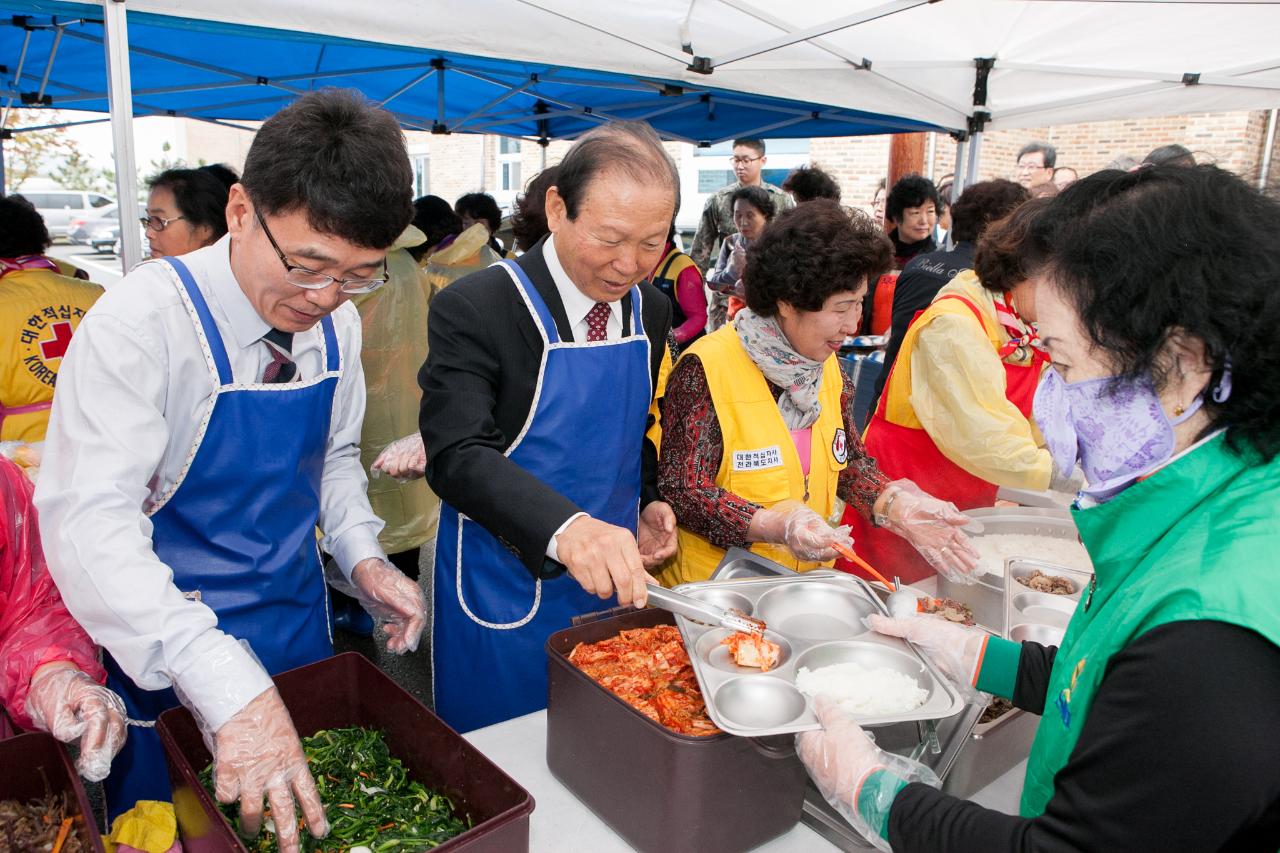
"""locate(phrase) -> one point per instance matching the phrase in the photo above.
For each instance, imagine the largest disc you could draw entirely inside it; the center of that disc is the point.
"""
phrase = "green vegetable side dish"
(368, 796)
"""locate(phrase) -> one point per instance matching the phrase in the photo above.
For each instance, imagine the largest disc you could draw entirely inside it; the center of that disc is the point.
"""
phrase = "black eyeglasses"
(742, 161)
(312, 280)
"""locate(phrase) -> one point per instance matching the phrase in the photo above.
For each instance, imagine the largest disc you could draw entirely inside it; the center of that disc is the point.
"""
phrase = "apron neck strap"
(542, 316)
(212, 337)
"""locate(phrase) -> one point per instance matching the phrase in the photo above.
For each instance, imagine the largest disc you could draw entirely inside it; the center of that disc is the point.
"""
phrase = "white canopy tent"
(962, 65)
(1051, 61)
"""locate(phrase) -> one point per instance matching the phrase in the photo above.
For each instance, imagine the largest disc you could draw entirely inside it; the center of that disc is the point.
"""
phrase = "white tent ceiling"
(1054, 61)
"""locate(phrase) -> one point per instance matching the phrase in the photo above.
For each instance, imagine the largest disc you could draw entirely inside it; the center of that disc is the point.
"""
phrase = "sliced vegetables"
(368, 796)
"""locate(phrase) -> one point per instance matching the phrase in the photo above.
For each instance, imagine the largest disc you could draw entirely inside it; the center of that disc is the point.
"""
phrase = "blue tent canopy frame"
(52, 57)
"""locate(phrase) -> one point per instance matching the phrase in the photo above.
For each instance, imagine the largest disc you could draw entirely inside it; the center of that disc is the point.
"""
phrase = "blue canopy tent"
(57, 55)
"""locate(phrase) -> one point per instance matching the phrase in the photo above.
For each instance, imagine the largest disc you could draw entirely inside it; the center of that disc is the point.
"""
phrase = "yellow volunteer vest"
(760, 463)
(897, 393)
(39, 311)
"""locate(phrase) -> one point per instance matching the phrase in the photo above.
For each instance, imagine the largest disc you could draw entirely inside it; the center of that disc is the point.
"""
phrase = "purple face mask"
(1115, 428)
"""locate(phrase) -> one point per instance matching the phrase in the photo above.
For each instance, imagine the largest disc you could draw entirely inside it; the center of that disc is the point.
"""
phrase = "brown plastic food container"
(348, 690)
(35, 765)
(663, 792)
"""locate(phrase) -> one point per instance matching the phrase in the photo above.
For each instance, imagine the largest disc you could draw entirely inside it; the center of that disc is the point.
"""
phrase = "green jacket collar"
(1119, 532)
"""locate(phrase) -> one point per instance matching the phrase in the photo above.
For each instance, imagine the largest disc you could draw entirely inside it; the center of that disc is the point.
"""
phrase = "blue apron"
(583, 438)
(238, 531)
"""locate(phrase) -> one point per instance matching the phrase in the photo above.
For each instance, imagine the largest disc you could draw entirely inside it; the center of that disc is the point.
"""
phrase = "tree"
(77, 173)
(27, 153)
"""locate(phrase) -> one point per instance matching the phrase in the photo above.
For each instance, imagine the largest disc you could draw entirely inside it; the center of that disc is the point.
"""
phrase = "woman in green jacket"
(1159, 302)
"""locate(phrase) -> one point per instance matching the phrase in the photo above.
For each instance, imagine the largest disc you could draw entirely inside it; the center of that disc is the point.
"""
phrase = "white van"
(59, 207)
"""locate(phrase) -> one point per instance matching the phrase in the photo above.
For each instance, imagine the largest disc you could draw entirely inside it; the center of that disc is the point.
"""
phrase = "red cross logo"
(57, 347)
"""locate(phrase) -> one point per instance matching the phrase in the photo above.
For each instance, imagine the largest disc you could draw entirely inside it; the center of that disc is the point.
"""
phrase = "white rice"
(863, 690)
(996, 548)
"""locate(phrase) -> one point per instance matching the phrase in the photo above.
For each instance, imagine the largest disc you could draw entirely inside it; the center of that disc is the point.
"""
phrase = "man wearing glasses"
(207, 421)
(716, 222)
(1035, 168)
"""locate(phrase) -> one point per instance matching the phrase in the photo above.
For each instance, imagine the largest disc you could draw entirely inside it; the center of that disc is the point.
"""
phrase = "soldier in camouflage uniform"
(716, 221)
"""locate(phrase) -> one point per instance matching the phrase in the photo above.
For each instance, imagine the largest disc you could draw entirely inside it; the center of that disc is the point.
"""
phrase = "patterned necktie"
(598, 321)
(281, 369)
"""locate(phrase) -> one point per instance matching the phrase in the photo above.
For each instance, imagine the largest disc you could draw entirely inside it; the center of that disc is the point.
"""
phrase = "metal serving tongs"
(701, 611)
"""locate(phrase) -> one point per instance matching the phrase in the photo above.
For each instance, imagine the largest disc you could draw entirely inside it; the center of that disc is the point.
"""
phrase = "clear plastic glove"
(404, 459)
(858, 778)
(257, 754)
(805, 533)
(71, 706)
(1071, 482)
(395, 601)
(933, 527)
(955, 649)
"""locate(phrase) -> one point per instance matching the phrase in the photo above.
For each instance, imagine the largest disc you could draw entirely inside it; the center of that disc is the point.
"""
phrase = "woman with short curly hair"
(758, 438)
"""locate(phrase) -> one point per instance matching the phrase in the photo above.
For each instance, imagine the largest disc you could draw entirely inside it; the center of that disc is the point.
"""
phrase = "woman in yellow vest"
(757, 446)
(39, 310)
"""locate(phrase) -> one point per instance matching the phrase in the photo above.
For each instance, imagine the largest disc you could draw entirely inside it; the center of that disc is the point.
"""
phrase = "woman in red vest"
(955, 413)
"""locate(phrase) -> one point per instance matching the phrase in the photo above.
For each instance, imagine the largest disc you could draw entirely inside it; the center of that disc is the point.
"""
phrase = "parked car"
(59, 207)
(101, 230)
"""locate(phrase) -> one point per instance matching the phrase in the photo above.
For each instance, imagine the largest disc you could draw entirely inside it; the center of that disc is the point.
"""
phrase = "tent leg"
(961, 165)
(4, 134)
(975, 154)
(119, 97)
(1264, 174)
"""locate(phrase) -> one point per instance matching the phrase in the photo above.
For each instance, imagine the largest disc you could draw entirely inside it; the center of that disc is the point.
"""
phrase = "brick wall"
(1234, 140)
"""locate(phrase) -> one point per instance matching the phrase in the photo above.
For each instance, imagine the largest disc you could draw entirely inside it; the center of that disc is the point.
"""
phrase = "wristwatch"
(880, 518)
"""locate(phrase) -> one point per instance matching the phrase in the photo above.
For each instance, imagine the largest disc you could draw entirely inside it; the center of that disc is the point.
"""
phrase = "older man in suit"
(536, 396)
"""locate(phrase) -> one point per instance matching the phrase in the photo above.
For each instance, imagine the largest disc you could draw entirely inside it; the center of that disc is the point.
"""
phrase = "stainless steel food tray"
(1040, 617)
(986, 597)
(816, 619)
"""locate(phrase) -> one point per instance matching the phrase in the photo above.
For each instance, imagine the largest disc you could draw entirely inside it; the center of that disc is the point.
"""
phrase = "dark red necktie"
(598, 321)
(281, 369)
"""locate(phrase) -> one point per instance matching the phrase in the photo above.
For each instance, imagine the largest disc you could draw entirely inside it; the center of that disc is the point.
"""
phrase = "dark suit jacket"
(477, 387)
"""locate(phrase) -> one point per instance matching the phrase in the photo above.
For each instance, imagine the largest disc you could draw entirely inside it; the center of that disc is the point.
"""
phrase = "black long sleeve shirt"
(1180, 752)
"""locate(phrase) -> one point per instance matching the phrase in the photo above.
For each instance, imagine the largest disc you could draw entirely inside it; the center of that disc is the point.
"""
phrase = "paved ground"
(103, 268)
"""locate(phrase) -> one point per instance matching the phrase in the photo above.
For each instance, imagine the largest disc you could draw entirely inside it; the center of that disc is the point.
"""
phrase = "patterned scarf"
(797, 376)
(1022, 335)
(26, 262)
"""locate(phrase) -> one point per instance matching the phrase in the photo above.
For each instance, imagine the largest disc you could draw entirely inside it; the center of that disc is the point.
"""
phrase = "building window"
(421, 175)
(508, 170)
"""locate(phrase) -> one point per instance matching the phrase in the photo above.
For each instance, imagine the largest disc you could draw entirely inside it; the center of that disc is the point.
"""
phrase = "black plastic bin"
(348, 690)
(661, 791)
(35, 765)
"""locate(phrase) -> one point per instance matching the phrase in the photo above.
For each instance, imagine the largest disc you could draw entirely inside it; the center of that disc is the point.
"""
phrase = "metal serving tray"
(816, 620)
(1040, 617)
(986, 597)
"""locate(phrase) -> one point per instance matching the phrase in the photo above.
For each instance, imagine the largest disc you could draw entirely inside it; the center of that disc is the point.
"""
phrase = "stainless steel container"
(816, 620)
(986, 597)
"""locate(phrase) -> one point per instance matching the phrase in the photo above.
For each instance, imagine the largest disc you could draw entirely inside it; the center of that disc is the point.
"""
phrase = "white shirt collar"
(576, 303)
(246, 324)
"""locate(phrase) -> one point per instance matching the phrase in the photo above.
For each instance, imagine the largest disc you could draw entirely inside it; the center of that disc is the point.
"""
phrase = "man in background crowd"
(1035, 168)
(716, 221)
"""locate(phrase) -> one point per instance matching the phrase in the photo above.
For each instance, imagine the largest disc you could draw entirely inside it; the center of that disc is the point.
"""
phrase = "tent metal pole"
(962, 162)
(4, 134)
(975, 156)
(1265, 172)
(17, 78)
(116, 43)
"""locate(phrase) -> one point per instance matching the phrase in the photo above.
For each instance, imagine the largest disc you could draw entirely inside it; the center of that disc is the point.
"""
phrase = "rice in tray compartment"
(863, 690)
(998, 547)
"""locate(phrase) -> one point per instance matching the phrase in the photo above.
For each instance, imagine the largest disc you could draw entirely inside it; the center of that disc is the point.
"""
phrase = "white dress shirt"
(576, 305)
(132, 392)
